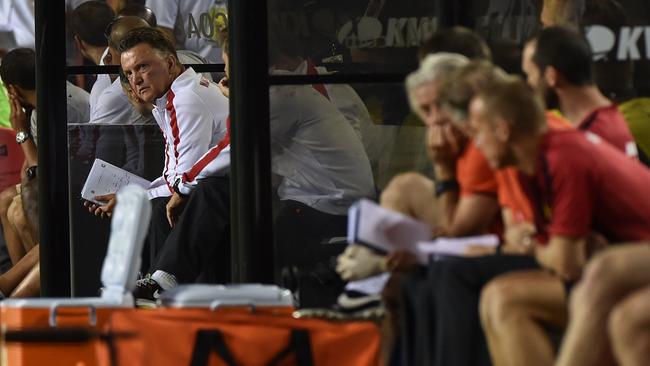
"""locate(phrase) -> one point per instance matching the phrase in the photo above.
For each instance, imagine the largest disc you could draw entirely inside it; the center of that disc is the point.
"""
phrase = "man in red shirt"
(578, 185)
(558, 64)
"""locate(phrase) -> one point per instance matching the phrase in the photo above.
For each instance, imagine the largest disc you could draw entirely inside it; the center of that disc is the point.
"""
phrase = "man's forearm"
(448, 200)
(30, 152)
(562, 255)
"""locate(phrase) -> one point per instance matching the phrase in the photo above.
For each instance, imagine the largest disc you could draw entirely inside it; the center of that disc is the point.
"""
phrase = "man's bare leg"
(14, 276)
(30, 286)
(16, 217)
(608, 278)
(514, 306)
(413, 195)
(629, 329)
(12, 240)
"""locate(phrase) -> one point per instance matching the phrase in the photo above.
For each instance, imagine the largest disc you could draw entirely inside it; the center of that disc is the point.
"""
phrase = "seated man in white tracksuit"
(192, 115)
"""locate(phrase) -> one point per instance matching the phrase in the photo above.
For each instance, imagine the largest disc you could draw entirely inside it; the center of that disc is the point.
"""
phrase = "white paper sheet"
(105, 178)
(456, 246)
(385, 230)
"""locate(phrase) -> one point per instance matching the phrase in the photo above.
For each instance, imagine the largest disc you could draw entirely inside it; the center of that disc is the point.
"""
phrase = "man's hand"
(105, 209)
(478, 251)
(519, 238)
(175, 208)
(224, 87)
(17, 118)
(443, 149)
(401, 261)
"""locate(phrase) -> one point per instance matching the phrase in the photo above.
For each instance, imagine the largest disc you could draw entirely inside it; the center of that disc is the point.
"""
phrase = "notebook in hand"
(105, 178)
(384, 230)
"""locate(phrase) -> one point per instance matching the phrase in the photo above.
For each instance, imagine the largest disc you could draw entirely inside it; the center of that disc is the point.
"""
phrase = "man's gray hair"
(433, 69)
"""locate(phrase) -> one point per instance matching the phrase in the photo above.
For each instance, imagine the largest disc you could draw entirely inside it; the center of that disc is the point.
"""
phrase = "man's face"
(149, 71)
(429, 110)
(487, 138)
(428, 106)
(535, 77)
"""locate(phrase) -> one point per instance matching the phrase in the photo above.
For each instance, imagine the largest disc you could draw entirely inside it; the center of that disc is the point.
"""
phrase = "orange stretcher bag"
(201, 337)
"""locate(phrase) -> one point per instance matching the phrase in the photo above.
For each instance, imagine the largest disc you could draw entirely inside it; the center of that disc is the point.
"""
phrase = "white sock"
(166, 280)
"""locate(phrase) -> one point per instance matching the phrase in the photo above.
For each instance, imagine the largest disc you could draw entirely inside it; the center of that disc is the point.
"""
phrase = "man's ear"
(551, 76)
(80, 44)
(172, 62)
(502, 130)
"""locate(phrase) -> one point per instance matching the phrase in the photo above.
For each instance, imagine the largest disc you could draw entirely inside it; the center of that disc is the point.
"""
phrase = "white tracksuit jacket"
(193, 117)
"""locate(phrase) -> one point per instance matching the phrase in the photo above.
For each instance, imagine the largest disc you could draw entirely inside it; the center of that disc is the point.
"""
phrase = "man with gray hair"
(461, 201)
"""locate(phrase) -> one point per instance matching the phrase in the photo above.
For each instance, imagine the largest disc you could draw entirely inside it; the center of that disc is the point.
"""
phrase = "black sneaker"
(146, 292)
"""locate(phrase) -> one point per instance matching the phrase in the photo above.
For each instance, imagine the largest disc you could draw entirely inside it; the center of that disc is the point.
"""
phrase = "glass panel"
(330, 146)
(118, 134)
(317, 172)
(193, 25)
(355, 36)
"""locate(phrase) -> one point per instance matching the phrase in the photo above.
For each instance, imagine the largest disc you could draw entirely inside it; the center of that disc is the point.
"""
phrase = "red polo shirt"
(609, 123)
(583, 184)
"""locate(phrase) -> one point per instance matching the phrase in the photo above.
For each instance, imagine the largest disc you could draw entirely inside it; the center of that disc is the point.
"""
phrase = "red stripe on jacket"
(311, 70)
(174, 125)
(209, 157)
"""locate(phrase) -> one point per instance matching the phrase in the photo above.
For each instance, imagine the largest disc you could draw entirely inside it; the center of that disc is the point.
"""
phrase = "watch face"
(21, 136)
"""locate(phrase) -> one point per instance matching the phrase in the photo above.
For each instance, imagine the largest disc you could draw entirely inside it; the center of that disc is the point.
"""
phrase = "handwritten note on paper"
(106, 178)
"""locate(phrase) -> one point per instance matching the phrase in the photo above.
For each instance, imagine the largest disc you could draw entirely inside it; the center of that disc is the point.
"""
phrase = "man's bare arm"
(566, 256)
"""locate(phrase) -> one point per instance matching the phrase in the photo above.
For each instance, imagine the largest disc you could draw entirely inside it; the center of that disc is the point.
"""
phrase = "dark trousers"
(440, 316)
(198, 247)
(159, 230)
(300, 232)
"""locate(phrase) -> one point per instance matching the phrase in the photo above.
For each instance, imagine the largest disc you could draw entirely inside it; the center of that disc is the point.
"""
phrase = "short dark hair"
(89, 20)
(566, 50)
(456, 40)
(151, 36)
(19, 68)
(517, 103)
(140, 11)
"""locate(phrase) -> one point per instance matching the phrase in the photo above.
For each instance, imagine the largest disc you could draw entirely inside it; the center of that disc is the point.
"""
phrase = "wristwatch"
(177, 190)
(443, 186)
(22, 136)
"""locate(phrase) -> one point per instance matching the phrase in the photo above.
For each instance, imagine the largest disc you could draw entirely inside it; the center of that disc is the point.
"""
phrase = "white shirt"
(175, 15)
(102, 82)
(112, 107)
(191, 57)
(17, 22)
(346, 99)
(316, 151)
(78, 108)
(193, 118)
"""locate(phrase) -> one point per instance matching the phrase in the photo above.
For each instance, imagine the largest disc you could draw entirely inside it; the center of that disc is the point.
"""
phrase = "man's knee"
(403, 186)
(6, 198)
(601, 280)
(15, 214)
(628, 319)
(497, 301)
